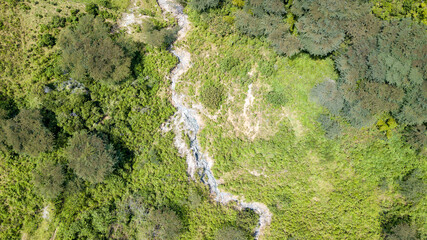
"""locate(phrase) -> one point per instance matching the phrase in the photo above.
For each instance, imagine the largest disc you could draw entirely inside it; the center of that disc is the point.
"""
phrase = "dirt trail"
(185, 121)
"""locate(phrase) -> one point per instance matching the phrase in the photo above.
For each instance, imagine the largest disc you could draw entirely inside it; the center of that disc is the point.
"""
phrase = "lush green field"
(273, 150)
(149, 181)
(66, 75)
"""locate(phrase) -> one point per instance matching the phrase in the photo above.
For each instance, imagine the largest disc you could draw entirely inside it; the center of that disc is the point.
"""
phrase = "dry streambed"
(185, 120)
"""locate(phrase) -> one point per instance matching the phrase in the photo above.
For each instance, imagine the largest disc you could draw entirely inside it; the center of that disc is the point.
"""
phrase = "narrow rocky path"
(185, 120)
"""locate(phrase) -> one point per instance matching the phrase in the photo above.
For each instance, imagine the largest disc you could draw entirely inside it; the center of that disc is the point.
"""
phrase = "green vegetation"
(345, 180)
(61, 132)
(316, 109)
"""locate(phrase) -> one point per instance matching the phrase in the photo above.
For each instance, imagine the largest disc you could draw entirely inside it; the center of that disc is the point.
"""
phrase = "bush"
(90, 157)
(157, 37)
(92, 8)
(212, 95)
(26, 134)
(46, 40)
(276, 98)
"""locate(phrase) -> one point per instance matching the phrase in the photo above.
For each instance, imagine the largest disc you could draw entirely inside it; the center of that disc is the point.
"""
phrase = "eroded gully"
(185, 121)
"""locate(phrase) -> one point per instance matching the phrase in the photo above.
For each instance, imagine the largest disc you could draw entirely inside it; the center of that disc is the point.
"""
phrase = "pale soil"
(187, 120)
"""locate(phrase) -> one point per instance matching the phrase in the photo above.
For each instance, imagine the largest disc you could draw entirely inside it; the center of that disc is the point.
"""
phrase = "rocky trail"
(185, 120)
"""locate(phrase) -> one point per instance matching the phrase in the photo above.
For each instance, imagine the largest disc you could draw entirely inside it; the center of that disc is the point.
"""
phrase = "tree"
(46, 40)
(26, 134)
(162, 224)
(88, 50)
(202, 5)
(90, 157)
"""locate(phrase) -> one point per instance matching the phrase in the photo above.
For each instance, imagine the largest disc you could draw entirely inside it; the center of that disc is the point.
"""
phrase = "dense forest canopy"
(85, 106)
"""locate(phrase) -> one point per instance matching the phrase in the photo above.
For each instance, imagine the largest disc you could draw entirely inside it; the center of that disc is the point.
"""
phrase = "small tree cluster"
(386, 72)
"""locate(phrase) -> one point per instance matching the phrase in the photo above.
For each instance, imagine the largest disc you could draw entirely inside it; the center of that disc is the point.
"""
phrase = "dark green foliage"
(48, 179)
(88, 50)
(230, 233)
(416, 136)
(57, 22)
(92, 224)
(413, 186)
(284, 42)
(357, 115)
(92, 8)
(74, 107)
(403, 231)
(228, 63)
(399, 58)
(156, 36)
(46, 40)
(162, 224)
(26, 134)
(386, 72)
(328, 95)
(332, 128)
(212, 95)
(276, 98)
(90, 157)
(202, 5)
(322, 25)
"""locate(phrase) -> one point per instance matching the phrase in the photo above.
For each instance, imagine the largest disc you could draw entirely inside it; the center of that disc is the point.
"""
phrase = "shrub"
(157, 37)
(92, 8)
(46, 40)
(90, 157)
(276, 98)
(212, 95)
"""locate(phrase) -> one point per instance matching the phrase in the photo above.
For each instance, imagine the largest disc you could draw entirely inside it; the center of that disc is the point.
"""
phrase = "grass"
(316, 188)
